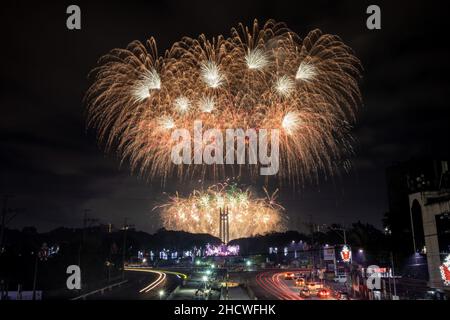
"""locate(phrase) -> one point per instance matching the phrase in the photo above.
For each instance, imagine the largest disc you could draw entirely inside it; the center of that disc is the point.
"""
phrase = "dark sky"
(55, 169)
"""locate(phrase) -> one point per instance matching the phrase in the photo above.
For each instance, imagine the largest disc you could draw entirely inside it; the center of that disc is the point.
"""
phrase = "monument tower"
(224, 227)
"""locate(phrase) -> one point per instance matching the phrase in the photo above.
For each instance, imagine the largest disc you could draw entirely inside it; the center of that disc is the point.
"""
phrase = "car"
(341, 278)
(300, 282)
(342, 295)
(305, 293)
(314, 286)
(288, 276)
(323, 293)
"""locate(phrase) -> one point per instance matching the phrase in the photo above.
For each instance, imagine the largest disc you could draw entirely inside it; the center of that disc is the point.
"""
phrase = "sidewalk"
(237, 293)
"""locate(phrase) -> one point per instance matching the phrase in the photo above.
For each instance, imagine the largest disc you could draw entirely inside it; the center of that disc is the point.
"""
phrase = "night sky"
(55, 169)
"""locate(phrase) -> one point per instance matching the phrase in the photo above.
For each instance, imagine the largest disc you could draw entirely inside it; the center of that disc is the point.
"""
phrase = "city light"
(222, 250)
(251, 162)
(346, 254)
(445, 271)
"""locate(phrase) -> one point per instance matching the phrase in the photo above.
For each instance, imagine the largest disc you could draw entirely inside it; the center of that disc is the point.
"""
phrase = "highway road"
(271, 285)
(148, 283)
(143, 284)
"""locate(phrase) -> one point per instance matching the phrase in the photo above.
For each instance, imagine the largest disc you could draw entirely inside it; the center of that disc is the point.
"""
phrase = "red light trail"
(275, 285)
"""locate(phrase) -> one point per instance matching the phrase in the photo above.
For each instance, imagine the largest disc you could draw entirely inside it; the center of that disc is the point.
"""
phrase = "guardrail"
(248, 289)
(102, 290)
(173, 293)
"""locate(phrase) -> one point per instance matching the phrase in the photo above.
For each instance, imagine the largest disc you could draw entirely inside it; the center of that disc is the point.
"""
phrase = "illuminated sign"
(445, 270)
(346, 254)
(329, 254)
(222, 250)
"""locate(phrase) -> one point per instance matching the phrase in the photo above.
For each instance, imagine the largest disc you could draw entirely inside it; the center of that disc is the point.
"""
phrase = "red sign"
(445, 271)
(346, 254)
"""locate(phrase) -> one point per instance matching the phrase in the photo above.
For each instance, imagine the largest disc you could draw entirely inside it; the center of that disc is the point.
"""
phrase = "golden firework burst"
(259, 77)
(248, 215)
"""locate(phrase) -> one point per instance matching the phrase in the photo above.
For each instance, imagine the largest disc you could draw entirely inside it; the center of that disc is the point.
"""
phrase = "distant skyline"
(55, 169)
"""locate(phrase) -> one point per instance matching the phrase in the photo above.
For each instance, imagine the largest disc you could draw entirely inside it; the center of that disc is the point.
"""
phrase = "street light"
(161, 294)
(205, 280)
(361, 251)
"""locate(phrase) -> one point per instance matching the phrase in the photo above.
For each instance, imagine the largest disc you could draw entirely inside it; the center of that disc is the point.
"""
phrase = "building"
(403, 179)
(432, 210)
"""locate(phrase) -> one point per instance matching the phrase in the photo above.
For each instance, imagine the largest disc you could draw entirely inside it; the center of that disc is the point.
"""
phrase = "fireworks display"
(199, 213)
(258, 77)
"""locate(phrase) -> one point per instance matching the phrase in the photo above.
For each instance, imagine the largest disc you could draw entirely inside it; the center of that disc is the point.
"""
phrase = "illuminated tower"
(224, 227)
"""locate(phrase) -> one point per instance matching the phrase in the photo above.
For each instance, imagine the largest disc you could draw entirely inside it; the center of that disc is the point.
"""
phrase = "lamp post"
(36, 260)
(393, 277)
(205, 280)
(40, 254)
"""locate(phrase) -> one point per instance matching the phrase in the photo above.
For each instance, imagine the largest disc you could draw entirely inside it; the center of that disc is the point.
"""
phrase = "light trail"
(272, 283)
(154, 284)
(162, 275)
(178, 274)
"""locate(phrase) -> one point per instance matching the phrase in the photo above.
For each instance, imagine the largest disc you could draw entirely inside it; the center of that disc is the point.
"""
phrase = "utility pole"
(393, 275)
(390, 289)
(344, 236)
(312, 248)
(87, 222)
(124, 248)
(83, 230)
(40, 254)
(36, 264)
(343, 231)
(3, 219)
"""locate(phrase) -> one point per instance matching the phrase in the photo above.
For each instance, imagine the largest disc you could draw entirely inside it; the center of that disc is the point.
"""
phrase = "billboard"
(329, 254)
